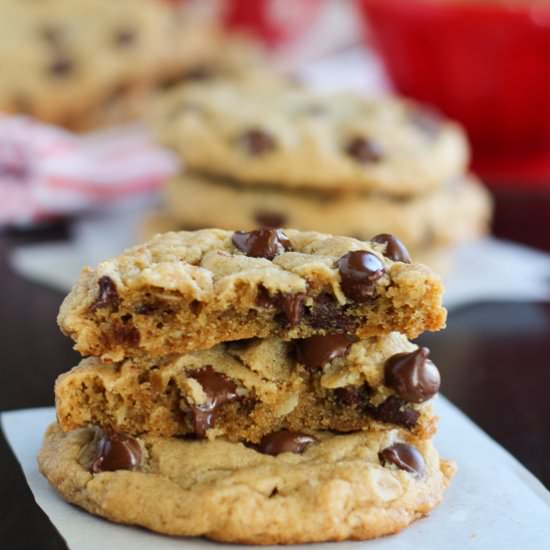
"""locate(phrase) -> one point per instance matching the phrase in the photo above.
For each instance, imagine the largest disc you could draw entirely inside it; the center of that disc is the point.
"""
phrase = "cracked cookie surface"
(187, 291)
(340, 487)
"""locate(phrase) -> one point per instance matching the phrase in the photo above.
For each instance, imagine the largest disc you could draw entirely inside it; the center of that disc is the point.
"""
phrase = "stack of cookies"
(89, 63)
(258, 155)
(254, 387)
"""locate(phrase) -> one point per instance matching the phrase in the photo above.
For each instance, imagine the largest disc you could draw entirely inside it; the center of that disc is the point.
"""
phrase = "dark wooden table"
(494, 359)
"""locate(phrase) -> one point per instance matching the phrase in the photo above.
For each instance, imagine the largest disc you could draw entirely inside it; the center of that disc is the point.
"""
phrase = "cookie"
(294, 138)
(243, 390)
(457, 212)
(92, 61)
(187, 291)
(328, 487)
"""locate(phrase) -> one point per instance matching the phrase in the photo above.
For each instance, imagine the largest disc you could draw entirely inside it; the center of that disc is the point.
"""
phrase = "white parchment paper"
(493, 502)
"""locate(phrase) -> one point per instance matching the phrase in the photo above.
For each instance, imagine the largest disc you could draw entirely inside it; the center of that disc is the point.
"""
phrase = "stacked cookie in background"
(253, 387)
(257, 155)
(94, 63)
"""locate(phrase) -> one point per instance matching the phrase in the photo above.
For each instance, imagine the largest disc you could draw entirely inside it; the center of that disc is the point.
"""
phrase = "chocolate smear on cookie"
(315, 352)
(219, 389)
(285, 441)
(107, 296)
(395, 249)
(412, 375)
(405, 457)
(115, 451)
(394, 411)
(359, 270)
(261, 243)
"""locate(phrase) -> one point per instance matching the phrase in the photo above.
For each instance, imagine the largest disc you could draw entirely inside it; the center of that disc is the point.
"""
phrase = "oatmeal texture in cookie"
(246, 389)
(188, 291)
(292, 488)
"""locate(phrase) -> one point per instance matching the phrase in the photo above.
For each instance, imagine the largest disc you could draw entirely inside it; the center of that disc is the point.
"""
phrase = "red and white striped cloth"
(46, 171)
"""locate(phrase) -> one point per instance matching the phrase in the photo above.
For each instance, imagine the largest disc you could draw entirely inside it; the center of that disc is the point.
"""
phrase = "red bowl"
(485, 64)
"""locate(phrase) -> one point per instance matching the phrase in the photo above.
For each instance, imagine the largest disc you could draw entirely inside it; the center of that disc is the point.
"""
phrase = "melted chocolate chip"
(270, 219)
(359, 270)
(326, 313)
(395, 249)
(61, 67)
(285, 441)
(290, 306)
(125, 38)
(315, 352)
(116, 451)
(352, 396)
(219, 389)
(405, 457)
(412, 375)
(364, 150)
(257, 142)
(261, 243)
(394, 411)
(108, 295)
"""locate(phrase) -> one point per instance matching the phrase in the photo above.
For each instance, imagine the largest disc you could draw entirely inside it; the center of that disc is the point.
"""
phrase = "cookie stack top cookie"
(293, 138)
(187, 291)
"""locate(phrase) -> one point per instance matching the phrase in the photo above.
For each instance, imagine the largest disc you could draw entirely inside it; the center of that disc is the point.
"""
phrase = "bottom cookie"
(327, 488)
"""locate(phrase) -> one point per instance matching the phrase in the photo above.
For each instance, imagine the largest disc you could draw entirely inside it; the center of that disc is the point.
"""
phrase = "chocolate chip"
(285, 441)
(426, 120)
(51, 34)
(270, 219)
(326, 313)
(315, 352)
(290, 306)
(219, 389)
(124, 38)
(405, 457)
(116, 451)
(395, 249)
(108, 295)
(261, 243)
(359, 270)
(394, 411)
(364, 150)
(412, 375)
(61, 67)
(200, 73)
(352, 396)
(257, 142)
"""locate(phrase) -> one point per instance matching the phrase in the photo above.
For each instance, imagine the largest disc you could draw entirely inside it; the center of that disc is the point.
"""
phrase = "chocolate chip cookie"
(291, 488)
(82, 64)
(243, 390)
(294, 138)
(457, 212)
(187, 291)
